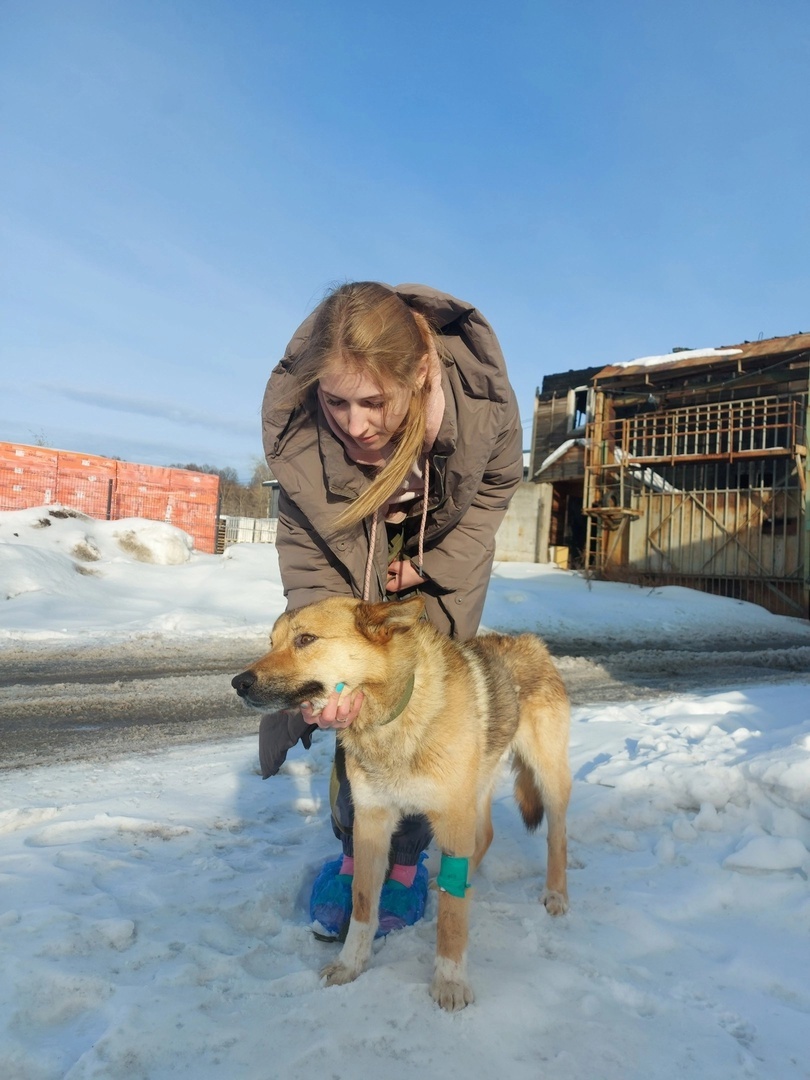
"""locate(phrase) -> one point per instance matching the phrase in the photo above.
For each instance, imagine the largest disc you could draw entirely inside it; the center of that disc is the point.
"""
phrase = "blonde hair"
(366, 326)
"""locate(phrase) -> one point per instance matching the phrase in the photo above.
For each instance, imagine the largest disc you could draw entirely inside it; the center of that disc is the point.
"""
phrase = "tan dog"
(434, 751)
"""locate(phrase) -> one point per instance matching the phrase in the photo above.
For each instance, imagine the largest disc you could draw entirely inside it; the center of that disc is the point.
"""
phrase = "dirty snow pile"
(154, 918)
(75, 580)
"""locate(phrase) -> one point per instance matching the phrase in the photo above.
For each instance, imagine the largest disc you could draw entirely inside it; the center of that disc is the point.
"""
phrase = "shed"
(694, 470)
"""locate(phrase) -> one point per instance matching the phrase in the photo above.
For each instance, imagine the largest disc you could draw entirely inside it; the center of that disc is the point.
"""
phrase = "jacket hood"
(477, 354)
(464, 331)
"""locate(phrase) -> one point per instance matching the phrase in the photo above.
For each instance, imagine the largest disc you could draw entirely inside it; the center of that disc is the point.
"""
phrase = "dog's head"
(315, 647)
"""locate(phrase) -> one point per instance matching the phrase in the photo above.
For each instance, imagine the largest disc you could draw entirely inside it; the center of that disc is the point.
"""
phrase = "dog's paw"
(556, 903)
(338, 974)
(451, 994)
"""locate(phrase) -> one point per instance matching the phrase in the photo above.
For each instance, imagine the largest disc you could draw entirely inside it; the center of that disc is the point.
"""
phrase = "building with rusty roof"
(684, 469)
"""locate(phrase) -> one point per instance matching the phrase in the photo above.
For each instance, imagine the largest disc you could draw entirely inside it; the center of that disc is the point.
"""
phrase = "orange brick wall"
(109, 490)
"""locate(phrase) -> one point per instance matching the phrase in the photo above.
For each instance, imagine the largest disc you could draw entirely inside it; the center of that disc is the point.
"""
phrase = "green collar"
(401, 705)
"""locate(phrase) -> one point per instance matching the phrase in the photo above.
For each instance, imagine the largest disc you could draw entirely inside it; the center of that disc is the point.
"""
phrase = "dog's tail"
(527, 793)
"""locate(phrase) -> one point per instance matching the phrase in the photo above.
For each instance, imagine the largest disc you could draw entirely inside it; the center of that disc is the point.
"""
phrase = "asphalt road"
(95, 704)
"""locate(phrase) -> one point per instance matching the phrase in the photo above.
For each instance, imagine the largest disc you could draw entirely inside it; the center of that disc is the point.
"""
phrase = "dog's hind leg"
(540, 748)
(555, 894)
(373, 829)
(543, 783)
(483, 831)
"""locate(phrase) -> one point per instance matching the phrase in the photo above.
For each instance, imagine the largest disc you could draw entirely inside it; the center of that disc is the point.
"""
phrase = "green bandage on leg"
(453, 875)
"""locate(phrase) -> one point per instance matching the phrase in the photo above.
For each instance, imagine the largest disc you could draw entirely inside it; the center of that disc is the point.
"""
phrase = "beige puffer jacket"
(476, 464)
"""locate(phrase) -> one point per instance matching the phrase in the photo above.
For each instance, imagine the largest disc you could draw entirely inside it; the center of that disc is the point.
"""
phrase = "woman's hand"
(402, 575)
(341, 708)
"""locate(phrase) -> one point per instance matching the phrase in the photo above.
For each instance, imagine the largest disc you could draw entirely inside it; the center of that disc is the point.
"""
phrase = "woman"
(395, 436)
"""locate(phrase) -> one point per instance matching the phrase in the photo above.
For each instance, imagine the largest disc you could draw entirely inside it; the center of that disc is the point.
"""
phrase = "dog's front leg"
(373, 829)
(455, 834)
(450, 988)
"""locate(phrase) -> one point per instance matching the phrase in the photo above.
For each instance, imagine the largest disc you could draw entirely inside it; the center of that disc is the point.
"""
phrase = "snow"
(560, 451)
(675, 357)
(649, 477)
(154, 917)
(68, 578)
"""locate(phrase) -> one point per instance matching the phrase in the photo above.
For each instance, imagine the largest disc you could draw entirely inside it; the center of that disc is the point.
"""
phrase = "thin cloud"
(153, 408)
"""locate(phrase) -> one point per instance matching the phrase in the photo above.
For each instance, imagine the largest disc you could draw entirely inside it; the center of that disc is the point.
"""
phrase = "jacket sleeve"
(308, 569)
(464, 555)
(278, 733)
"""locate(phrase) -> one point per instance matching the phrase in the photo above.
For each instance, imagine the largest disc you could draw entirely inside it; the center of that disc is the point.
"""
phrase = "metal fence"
(724, 429)
(245, 530)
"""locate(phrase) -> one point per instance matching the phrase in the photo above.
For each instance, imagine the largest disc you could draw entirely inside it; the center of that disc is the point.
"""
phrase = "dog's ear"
(379, 622)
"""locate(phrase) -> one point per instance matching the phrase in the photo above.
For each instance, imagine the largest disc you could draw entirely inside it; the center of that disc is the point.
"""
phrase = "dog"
(437, 718)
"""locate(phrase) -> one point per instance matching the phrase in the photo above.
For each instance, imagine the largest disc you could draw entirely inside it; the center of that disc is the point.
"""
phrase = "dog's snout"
(244, 683)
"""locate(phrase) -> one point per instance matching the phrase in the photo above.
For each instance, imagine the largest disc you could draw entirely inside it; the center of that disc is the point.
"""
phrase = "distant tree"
(211, 470)
(261, 471)
(232, 494)
(259, 495)
(238, 499)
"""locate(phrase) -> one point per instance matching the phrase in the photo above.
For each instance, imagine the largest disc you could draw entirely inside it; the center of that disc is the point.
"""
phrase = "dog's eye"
(304, 639)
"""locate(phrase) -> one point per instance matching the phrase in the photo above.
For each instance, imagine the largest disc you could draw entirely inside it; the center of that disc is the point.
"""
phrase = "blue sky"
(182, 180)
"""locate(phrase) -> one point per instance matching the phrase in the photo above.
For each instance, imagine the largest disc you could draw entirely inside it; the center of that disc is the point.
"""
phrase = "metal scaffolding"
(709, 495)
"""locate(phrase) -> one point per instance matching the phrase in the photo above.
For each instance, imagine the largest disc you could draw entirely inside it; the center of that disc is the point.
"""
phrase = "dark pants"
(408, 842)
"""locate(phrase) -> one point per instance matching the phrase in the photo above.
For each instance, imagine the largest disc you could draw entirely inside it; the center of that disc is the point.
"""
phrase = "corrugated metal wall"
(110, 490)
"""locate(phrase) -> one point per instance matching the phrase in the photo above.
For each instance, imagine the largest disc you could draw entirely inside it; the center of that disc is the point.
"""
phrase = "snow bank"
(154, 921)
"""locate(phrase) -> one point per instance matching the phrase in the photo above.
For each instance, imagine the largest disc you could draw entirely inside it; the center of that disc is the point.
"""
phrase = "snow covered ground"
(153, 920)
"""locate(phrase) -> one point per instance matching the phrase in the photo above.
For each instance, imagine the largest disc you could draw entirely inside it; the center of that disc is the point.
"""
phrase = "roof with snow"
(687, 359)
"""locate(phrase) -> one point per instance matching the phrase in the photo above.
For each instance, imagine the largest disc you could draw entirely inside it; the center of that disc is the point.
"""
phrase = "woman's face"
(365, 412)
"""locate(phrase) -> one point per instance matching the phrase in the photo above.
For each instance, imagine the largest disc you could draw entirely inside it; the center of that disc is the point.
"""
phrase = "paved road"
(96, 704)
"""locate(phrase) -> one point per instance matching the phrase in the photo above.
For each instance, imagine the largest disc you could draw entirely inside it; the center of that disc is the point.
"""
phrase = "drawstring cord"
(370, 560)
(372, 542)
(423, 522)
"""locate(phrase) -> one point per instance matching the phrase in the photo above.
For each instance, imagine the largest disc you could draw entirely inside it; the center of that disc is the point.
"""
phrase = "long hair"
(366, 326)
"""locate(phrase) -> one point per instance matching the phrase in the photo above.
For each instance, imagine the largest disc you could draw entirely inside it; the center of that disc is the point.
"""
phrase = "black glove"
(278, 732)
